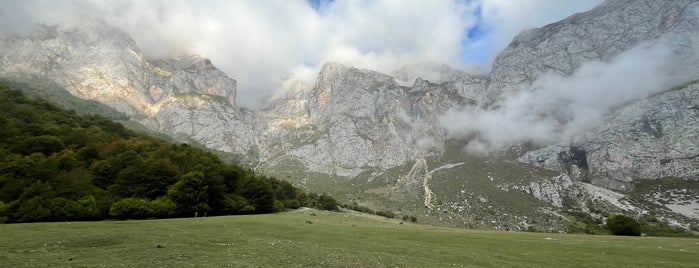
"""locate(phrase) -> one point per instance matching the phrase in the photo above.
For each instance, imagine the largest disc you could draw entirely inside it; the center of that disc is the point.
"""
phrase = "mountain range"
(592, 115)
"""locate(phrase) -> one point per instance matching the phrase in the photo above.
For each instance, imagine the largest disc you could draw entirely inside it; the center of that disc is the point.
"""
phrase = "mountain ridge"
(357, 127)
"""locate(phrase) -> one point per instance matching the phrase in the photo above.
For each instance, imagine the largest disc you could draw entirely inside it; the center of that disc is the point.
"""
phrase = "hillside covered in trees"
(56, 165)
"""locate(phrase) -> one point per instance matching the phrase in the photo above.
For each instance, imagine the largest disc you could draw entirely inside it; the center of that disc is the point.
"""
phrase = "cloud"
(558, 109)
(501, 20)
(261, 43)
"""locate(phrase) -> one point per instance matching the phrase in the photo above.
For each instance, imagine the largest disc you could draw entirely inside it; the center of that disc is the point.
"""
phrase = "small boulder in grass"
(309, 222)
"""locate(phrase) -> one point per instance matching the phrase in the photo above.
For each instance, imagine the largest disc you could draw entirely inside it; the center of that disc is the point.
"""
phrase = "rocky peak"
(342, 90)
(97, 61)
(185, 97)
(93, 32)
(646, 138)
(470, 86)
(599, 34)
(193, 75)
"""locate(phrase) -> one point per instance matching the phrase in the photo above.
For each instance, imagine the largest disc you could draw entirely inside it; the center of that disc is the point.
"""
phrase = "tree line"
(56, 165)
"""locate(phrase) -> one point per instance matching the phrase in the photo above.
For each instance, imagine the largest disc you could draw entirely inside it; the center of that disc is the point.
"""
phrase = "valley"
(577, 120)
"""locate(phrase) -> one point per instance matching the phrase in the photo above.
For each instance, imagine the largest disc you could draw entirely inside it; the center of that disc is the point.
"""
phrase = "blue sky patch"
(318, 5)
(477, 46)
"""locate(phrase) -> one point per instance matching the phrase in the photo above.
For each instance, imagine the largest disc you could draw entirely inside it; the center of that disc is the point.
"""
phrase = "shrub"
(356, 207)
(163, 207)
(326, 202)
(409, 218)
(386, 213)
(623, 225)
(132, 208)
(3, 209)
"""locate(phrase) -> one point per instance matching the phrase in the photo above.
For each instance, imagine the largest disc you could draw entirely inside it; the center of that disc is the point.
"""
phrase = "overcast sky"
(261, 43)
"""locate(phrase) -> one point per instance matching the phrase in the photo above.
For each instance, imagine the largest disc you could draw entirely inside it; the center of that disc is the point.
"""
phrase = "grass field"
(309, 238)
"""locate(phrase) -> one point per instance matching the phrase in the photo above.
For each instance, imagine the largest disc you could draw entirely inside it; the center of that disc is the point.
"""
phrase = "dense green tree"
(190, 193)
(33, 209)
(326, 202)
(623, 225)
(146, 179)
(257, 192)
(132, 208)
(57, 165)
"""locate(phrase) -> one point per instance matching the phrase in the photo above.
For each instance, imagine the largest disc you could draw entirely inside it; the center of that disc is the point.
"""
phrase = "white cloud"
(504, 19)
(558, 109)
(260, 43)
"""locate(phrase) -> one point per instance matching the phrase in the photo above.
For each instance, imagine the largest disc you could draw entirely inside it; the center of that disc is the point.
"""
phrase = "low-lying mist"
(557, 109)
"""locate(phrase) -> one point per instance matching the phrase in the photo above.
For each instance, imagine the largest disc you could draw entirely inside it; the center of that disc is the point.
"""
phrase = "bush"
(386, 213)
(163, 207)
(409, 218)
(623, 225)
(3, 209)
(356, 207)
(326, 202)
(132, 208)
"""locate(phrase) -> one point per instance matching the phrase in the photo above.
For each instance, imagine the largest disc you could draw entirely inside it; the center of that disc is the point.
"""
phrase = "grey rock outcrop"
(599, 34)
(183, 97)
(646, 139)
(366, 119)
(653, 138)
(93, 61)
(470, 86)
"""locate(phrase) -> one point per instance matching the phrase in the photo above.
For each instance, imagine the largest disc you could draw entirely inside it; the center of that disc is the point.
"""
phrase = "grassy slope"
(458, 191)
(332, 240)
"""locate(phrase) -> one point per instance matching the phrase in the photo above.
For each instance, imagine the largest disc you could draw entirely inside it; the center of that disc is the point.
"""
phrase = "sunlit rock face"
(182, 97)
(361, 118)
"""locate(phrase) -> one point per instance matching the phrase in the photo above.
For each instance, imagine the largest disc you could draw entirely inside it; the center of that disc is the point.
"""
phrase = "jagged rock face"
(192, 74)
(648, 139)
(471, 87)
(367, 120)
(652, 138)
(182, 97)
(599, 34)
(211, 121)
(97, 61)
(92, 60)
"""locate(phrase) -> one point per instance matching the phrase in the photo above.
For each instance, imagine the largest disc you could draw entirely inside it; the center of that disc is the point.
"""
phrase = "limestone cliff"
(183, 97)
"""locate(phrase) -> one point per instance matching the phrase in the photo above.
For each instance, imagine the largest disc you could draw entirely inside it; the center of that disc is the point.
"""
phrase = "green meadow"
(312, 238)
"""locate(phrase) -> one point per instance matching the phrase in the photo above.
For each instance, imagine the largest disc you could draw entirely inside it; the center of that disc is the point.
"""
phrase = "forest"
(56, 165)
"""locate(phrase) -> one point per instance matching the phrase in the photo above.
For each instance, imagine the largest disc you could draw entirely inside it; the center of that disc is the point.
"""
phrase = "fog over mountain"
(560, 109)
(262, 43)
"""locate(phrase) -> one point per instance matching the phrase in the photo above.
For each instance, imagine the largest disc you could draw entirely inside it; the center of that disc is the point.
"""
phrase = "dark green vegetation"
(332, 240)
(56, 165)
(623, 225)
